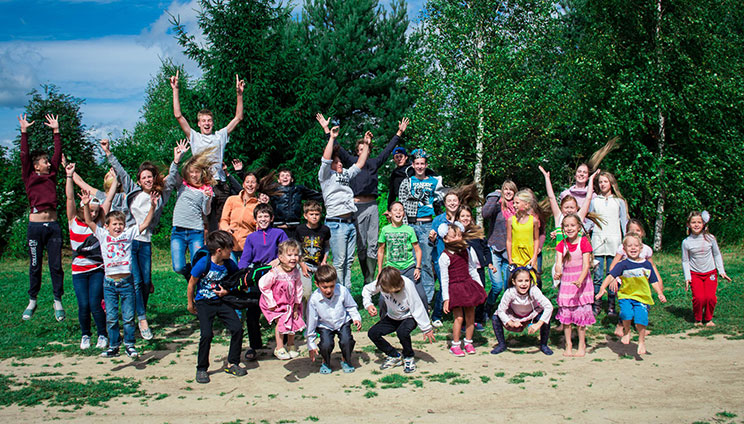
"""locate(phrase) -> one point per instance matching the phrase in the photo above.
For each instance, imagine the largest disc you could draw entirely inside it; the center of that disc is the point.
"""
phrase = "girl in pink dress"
(573, 258)
(281, 298)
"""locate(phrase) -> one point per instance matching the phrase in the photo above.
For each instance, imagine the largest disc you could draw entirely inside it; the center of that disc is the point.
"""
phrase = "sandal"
(347, 367)
(250, 354)
(325, 369)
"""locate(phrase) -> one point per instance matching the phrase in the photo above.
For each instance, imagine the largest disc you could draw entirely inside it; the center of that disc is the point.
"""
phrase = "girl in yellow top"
(523, 232)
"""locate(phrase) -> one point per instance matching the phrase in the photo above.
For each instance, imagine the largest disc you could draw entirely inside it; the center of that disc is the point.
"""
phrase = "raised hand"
(368, 137)
(402, 125)
(239, 85)
(174, 81)
(237, 164)
(181, 147)
(105, 146)
(323, 121)
(544, 172)
(84, 196)
(52, 122)
(594, 175)
(24, 123)
(154, 197)
(70, 169)
(334, 131)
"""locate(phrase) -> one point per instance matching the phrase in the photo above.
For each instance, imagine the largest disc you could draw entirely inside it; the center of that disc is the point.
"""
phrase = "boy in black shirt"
(314, 238)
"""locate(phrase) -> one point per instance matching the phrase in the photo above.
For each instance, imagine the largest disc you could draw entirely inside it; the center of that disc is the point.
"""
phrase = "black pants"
(345, 341)
(221, 193)
(498, 330)
(386, 326)
(206, 310)
(253, 325)
(45, 235)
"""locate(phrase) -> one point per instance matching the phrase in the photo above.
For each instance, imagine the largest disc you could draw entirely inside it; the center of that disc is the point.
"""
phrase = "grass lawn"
(167, 313)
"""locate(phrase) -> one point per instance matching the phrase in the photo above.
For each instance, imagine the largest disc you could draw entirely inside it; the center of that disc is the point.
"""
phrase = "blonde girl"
(193, 187)
(523, 232)
(702, 263)
(612, 209)
(281, 298)
(573, 258)
(462, 289)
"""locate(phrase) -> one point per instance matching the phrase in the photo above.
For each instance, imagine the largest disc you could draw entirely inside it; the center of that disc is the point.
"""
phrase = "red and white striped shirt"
(79, 231)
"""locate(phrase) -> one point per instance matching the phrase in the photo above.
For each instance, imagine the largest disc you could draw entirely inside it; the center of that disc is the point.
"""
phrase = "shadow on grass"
(680, 312)
(623, 351)
(301, 368)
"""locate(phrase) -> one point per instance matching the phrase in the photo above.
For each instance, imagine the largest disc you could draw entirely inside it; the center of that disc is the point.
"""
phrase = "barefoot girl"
(573, 258)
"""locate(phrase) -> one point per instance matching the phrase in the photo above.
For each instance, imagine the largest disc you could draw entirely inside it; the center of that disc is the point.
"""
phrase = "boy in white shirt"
(331, 311)
(116, 247)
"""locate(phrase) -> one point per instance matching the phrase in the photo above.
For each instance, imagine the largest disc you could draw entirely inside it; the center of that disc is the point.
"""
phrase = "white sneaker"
(85, 343)
(436, 323)
(102, 342)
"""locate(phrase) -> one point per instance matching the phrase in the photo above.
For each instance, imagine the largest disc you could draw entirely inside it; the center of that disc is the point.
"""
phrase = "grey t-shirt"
(216, 141)
(337, 194)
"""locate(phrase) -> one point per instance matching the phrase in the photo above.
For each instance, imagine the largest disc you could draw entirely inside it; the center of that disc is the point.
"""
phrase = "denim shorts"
(631, 309)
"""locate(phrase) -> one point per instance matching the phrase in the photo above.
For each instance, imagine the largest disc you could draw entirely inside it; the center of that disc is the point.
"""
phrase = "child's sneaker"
(546, 350)
(131, 352)
(236, 369)
(102, 342)
(293, 353)
(325, 369)
(500, 348)
(146, 333)
(28, 313)
(347, 367)
(85, 343)
(457, 351)
(111, 352)
(391, 361)
(436, 323)
(282, 354)
(202, 376)
(470, 349)
(410, 365)
(479, 327)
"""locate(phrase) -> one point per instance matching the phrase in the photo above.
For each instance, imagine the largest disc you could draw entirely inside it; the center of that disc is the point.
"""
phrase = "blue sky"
(104, 51)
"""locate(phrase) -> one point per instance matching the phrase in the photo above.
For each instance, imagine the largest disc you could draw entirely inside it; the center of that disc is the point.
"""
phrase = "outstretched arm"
(177, 107)
(323, 122)
(106, 205)
(70, 192)
(154, 197)
(52, 121)
(328, 152)
(551, 195)
(26, 165)
(85, 198)
(363, 155)
(239, 88)
(588, 201)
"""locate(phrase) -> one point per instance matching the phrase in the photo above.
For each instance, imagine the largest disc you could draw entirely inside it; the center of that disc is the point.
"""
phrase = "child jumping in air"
(634, 294)
(281, 298)
(702, 264)
(462, 289)
(522, 306)
(213, 143)
(39, 177)
(331, 311)
(404, 311)
(573, 259)
(204, 299)
(116, 247)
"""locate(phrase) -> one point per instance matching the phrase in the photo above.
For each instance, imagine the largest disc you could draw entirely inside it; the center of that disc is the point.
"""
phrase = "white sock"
(455, 344)
(467, 342)
(58, 305)
(31, 304)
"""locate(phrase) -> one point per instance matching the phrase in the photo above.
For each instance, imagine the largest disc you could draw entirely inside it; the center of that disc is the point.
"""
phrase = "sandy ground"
(682, 379)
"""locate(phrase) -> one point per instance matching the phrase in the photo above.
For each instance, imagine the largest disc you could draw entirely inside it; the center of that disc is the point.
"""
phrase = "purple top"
(261, 246)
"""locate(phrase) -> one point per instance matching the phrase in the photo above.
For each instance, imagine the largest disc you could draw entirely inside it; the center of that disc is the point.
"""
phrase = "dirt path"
(683, 379)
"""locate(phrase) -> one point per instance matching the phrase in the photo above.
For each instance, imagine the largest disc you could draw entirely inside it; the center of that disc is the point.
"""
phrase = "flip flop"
(347, 367)
(325, 369)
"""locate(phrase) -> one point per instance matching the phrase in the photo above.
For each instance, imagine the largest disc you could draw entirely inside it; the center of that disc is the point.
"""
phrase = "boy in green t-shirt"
(401, 244)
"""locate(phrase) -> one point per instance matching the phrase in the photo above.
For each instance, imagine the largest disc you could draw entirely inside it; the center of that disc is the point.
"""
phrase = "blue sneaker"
(479, 327)
(347, 367)
(325, 369)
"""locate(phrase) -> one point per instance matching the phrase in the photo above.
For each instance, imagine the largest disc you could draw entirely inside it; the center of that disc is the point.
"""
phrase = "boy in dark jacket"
(288, 203)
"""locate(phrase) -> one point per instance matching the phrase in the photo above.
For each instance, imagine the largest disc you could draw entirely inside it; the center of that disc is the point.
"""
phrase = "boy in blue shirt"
(634, 295)
(204, 299)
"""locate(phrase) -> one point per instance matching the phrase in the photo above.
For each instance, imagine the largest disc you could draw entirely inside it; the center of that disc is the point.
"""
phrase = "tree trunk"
(661, 142)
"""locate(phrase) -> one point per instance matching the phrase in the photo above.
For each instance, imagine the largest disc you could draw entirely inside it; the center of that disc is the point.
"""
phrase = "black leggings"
(386, 326)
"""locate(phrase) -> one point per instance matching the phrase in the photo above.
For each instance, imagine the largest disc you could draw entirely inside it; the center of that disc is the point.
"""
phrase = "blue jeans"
(343, 242)
(141, 275)
(498, 278)
(181, 238)
(112, 292)
(422, 230)
(89, 292)
(601, 272)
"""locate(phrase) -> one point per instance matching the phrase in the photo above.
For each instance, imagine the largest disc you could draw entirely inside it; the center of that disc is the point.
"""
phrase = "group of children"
(600, 250)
